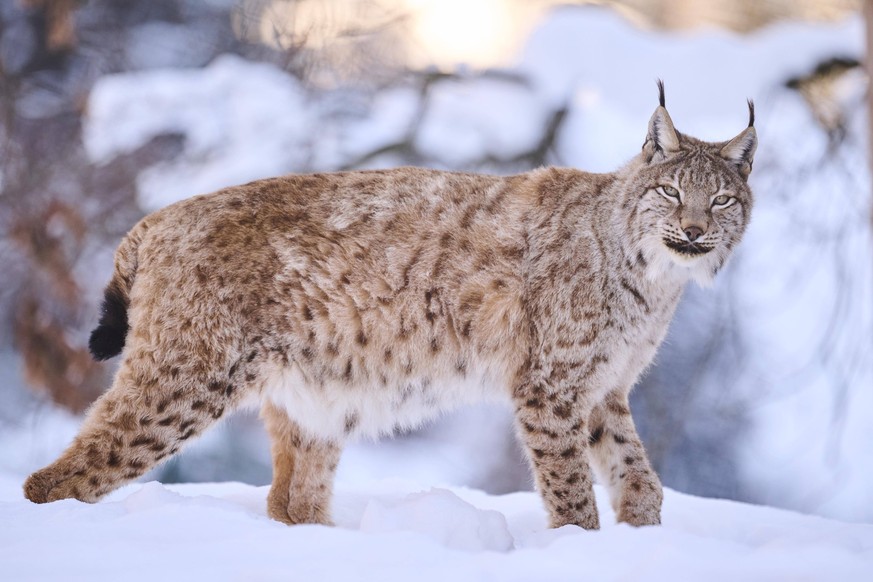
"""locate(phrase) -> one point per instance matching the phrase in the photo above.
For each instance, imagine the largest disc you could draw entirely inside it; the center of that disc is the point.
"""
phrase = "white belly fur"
(328, 411)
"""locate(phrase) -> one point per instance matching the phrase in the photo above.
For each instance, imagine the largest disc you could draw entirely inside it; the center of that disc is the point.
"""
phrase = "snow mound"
(392, 531)
(443, 517)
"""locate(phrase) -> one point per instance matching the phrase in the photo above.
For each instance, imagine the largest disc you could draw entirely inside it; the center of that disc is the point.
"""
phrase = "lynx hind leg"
(620, 461)
(303, 471)
(147, 415)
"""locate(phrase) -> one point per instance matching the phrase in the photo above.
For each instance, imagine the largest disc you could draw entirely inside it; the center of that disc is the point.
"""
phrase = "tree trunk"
(868, 64)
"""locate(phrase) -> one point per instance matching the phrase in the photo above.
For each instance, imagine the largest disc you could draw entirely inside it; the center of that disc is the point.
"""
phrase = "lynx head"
(693, 199)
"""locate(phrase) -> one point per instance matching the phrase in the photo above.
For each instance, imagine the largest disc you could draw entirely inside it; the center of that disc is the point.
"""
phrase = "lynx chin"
(358, 303)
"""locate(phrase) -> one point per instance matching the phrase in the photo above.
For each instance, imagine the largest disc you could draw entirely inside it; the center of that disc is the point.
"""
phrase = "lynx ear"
(740, 151)
(662, 140)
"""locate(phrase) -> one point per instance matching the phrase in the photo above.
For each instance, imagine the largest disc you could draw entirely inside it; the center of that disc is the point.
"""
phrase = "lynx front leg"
(552, 426)
(147, 415)
(303, 471)
(621, 461)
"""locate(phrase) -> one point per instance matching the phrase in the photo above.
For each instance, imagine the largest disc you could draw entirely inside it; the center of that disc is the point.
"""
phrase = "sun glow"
(478, 33)
(441, 33)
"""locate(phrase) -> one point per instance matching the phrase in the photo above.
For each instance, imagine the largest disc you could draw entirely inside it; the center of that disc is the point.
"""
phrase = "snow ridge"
(391, 530)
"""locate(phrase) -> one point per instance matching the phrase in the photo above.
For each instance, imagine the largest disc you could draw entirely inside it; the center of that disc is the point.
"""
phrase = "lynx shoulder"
(358, 303)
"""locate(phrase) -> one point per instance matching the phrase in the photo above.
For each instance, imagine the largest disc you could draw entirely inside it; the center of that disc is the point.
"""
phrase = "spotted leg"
(152, 409)
(303, 471)
(551, 423)
(620, 461)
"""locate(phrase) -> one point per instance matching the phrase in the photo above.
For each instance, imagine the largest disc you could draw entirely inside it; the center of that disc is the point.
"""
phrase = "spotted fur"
(354, 304)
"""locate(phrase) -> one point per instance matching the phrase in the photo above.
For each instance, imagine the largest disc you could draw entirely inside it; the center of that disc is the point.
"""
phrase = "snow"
(241, 120)
(444, 518)
(610, 83)
(391, 115)
(472, 119)
(396, 530)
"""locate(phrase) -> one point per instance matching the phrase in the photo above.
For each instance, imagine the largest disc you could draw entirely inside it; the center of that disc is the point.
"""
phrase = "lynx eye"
(669, 191)
(721, 200)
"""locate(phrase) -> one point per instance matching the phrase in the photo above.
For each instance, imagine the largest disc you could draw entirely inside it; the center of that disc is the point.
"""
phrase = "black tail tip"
(106, 342)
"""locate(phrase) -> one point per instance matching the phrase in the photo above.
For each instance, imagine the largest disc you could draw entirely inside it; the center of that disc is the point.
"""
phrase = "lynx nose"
(693, 233)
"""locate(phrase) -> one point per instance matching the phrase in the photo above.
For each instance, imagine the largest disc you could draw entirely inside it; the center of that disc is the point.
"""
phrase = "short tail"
(108, 339)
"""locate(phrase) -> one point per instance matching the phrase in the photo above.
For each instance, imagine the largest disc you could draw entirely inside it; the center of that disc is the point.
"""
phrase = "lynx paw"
(38, 486)
(299, 514)
(52, 484)
(640, 502)
(282, 506)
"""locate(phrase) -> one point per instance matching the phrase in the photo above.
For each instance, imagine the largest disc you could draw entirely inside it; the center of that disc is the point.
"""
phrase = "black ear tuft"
(751, 112)
(661, 98)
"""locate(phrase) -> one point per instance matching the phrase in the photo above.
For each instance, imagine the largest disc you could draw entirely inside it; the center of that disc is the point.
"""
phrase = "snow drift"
(394, 530)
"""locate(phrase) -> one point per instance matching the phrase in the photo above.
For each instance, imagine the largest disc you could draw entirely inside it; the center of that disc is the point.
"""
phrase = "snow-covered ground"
(399, 531)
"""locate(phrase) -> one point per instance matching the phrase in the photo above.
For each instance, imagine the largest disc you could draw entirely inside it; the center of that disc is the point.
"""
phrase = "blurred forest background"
(764, 389)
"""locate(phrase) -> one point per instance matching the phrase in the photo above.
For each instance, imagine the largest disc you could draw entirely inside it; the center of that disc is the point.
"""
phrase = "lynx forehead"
(357, 303)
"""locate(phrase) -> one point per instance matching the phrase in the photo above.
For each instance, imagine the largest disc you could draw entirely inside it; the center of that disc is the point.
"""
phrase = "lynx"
(358, 303)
